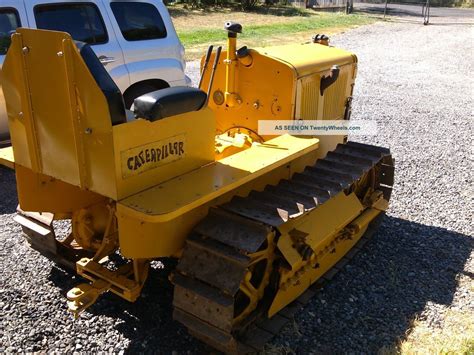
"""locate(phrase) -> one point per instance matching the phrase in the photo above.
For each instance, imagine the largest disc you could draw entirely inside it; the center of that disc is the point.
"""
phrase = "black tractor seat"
(168, 102)
(153, 106)
(106, 84)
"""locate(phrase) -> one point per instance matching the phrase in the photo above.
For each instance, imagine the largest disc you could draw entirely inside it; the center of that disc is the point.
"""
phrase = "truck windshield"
(9, 21)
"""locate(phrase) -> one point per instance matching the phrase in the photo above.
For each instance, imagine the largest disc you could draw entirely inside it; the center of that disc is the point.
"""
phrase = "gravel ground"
(414, 80)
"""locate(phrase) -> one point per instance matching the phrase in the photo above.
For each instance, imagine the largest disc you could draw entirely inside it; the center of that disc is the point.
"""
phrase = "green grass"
(256, 32)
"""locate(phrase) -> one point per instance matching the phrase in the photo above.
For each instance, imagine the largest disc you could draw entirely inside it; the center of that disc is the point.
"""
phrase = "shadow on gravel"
(372, 302)
(147, 323)
(8, 195)
(367, 306)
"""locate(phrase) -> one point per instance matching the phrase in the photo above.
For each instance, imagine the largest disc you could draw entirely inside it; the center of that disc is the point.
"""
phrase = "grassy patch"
(255, 32)
(265, 26)
(453, 333)
(456, 336)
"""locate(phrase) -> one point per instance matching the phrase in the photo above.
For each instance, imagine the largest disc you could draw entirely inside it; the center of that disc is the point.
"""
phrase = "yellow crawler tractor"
(254, 220)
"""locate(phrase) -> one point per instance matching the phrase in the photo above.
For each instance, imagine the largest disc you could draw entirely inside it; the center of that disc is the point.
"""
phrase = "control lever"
(211, 80)
(206, 62)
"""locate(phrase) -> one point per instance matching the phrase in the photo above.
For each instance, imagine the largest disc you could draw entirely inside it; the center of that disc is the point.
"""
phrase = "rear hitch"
(85, 295)
(127, 282)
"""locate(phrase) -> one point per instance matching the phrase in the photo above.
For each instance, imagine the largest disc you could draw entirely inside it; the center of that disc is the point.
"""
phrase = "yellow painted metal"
(6, 157)
(18, 105)
(69, 136)
(319, 224)
(148, 153)
(3, 112)
(310, 58)
(160, 217)
(229, 144)
(311, 105)
(329, 240)
(255, 293)
(174, 197)
(292, 93)
(93, 225)
(261, 98)
(144, 240)
(42, 193)
(231, 98)
(127, 282)
(51, 139)
(85, 295)
(104, 158)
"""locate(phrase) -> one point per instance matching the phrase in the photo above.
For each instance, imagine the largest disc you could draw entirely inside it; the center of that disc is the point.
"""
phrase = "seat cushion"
(106, 84)
(168, 102)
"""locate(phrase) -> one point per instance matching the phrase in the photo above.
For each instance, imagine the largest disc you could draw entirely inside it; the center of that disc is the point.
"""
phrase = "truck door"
(85, 21)
(148, 40)
(12, 15)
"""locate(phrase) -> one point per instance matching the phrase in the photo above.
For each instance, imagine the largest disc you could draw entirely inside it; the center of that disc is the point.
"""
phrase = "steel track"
(218, 251)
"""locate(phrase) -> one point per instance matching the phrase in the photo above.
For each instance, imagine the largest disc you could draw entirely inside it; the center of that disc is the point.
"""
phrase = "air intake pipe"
(231, 98)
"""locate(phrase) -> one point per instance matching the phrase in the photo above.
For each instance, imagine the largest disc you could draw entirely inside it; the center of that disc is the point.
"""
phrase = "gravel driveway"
(417, 82)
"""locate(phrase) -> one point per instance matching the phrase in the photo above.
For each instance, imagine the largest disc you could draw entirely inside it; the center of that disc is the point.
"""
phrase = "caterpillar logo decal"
(150, 156)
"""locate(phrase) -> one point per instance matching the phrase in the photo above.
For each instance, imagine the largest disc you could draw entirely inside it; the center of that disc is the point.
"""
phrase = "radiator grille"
(333, 100)
(309, 99)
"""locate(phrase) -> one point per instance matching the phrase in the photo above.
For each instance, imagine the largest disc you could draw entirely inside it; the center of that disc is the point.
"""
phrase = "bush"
(248, 4)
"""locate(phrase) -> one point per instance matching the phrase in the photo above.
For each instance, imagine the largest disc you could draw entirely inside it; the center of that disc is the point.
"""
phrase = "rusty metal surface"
(276, 201)
(328, 184)
(240, 233)
(197, 298)
(41, 237)
(352, 170)
(349, 159)
(387, 174)
(300, 187)
(316, 182)
(341, 178)
(256, 210)
(306, 201)
(203, 261)
(369, 148)
(208, 276)
(218, 339)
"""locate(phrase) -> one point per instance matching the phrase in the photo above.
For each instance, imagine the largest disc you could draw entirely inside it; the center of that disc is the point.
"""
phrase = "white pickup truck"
(134, 39)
